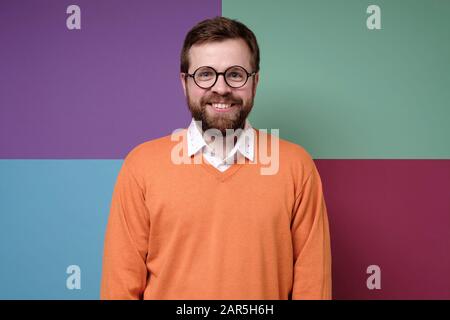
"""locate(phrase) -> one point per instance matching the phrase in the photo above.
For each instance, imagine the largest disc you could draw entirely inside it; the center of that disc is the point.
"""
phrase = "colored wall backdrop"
(370, 105)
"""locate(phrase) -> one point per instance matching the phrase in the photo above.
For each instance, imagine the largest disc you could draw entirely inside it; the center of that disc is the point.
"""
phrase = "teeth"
(221, 105)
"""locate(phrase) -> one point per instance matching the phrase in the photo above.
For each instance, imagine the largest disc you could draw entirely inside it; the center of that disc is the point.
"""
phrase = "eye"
(235, 75)
(205, 75)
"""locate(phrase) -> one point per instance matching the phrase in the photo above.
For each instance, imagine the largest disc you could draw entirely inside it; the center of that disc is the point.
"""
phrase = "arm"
(311, 242)
(124, 271)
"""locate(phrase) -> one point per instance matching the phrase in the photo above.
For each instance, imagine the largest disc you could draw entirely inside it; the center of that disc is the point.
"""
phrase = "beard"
(232, 119)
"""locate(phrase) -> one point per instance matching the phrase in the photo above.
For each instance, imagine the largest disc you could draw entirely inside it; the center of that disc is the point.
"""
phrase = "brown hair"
(218, 29)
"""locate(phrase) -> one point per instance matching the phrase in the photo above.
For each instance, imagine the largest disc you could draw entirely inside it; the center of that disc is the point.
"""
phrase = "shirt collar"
(244, 144)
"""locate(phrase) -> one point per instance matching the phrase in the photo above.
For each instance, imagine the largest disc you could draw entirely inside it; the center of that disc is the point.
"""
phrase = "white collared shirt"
(244, 145)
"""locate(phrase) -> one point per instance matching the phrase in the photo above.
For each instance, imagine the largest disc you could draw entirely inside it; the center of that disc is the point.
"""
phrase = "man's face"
(220, 55)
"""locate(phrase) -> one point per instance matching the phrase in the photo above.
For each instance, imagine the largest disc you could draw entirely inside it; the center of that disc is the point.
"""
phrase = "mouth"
(221, 107)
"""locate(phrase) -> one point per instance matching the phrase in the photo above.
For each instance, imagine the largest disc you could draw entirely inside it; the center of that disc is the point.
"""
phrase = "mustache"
(220, 99)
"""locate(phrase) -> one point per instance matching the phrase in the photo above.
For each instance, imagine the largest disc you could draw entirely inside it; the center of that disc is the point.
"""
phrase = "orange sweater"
(189, 231)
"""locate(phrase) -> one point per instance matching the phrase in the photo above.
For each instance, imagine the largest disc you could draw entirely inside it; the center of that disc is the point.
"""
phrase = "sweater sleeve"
(311, 242)
(124, 271)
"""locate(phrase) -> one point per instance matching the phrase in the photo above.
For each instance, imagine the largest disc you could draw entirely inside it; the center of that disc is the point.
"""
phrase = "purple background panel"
(96, 92)
(394, 214)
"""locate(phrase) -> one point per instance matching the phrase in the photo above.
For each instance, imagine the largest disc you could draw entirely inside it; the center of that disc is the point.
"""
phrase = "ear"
(183, 82)
(255, 83)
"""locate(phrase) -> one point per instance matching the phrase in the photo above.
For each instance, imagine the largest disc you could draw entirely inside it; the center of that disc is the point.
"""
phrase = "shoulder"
(293, 162)
(153, 152)
(291, 155)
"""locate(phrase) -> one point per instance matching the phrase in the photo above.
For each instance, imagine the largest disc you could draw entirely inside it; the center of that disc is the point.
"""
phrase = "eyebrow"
(249, 69)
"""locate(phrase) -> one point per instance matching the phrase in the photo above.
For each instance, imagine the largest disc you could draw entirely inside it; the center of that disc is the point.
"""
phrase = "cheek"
(244, 95)
(195, 93)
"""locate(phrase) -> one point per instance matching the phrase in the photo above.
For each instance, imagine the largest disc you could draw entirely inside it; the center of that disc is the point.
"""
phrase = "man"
(217, 228)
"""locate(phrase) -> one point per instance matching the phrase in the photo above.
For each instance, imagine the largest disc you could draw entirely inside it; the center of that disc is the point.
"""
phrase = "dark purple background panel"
(394, 214)
(95, 92)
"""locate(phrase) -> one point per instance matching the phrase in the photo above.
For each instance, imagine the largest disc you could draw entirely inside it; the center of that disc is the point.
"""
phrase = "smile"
(221, 107)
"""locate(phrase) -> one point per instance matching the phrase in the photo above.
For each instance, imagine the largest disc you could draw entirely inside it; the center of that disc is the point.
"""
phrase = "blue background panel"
(53, 214)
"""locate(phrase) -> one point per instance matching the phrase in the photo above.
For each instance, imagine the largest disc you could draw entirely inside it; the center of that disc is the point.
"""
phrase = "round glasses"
(206, 77)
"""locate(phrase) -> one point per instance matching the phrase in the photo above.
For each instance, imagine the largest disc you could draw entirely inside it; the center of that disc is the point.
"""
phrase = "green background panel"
(346, 92)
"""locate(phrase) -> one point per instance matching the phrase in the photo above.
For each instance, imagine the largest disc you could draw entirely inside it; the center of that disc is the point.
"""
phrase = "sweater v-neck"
(219, 175)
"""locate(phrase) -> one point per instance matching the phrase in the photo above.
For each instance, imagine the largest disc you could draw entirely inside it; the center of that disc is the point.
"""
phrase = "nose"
(221, 87)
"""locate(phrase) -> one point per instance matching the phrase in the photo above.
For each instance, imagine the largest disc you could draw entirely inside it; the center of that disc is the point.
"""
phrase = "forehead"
(220, 54)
